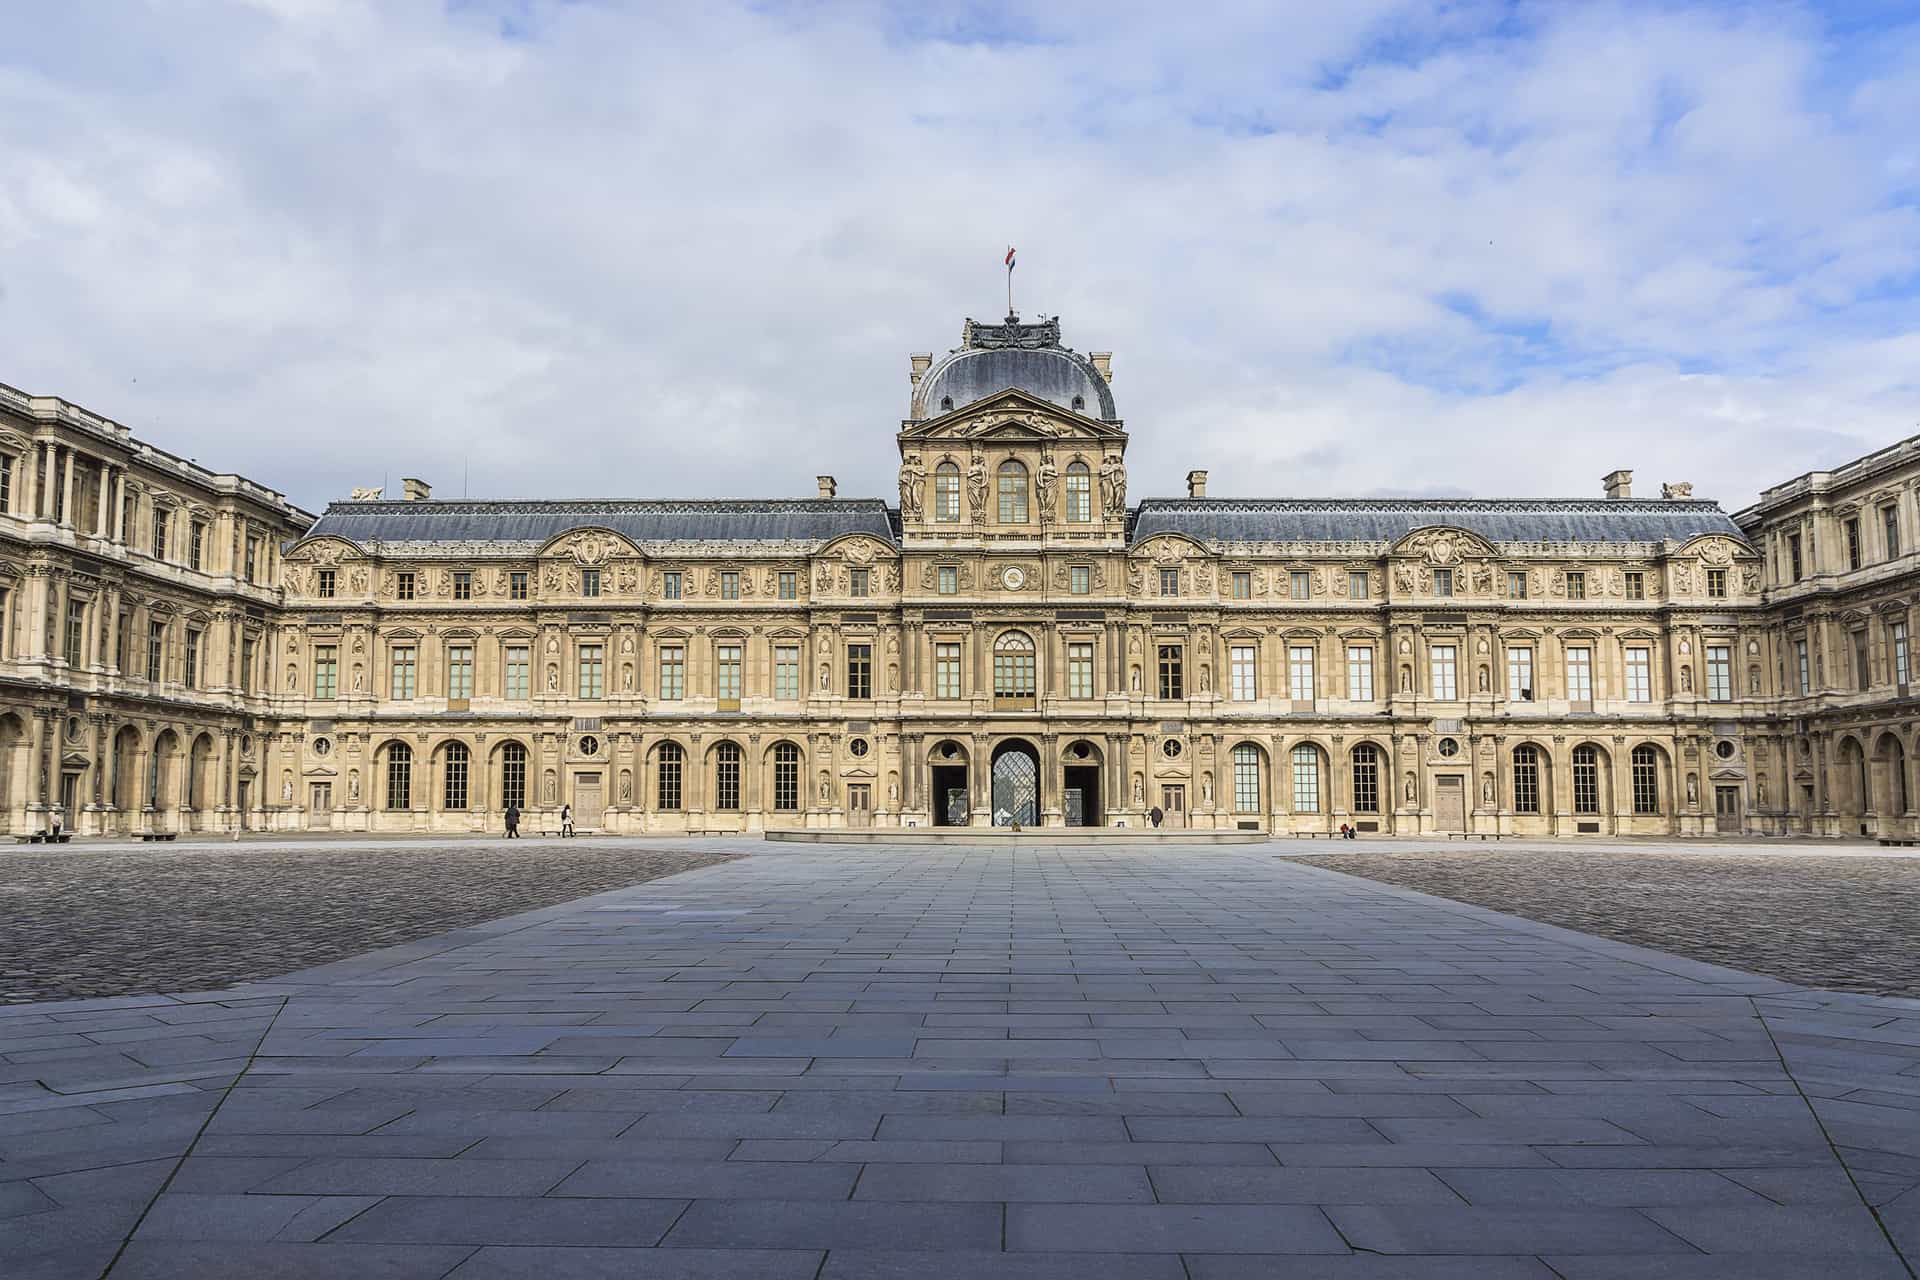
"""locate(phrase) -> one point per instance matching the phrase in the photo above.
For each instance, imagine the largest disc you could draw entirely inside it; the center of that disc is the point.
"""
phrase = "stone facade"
(1012, 642)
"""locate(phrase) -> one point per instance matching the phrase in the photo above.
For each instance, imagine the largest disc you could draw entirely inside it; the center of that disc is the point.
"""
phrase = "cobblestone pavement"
(1009, 1063)
(1844, 923)
(100, 920)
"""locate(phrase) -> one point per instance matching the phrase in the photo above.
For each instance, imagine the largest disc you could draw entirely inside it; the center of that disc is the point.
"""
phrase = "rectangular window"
(6, 483)
(463, 584)
(670, 760)
(949, 578)
(673, 672)
(323, 583)
(459, 671)
(1300, 584)
(77, 631)
(1306, 780)
(161, 519)
(1300, 672)
(1576, 586)
(726, 777)
(1586, 780)
(859, 671)
(1013, 672)
(590, 583)
(1579, 674)
(404, 671)
(122, 637)
(593, 671)
(1520, 674)
(1443, 582)
(1639, 674)
(1636, 585)
(1862, 673)
(1526, 780)
(1169, 582)
(1716, 584)
(1079, 671)
(859, 582)
(403, 585)
(671, 587)
(1852, 528)
(786, 671)
(1357, 585)
(1080, 579)
(789, 585)
(1242, 585)
(1897, 642)
(1801, 664)
(1172, 678)
(1442, 666)
(1243, 668)
(726, 685)
(1516, 584)
(946, 671)
(156, 647)
(730, 584)
(1720, 670)
(1793, 556)
(519, 683)
(253, 559)
(1890, 529)
(196, 543)
(246, 664)
(1359, 673)
(326, 671)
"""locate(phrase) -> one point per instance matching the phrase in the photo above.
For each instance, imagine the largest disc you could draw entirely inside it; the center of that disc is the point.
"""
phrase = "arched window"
(513, 776)
(1366, 778)
(726, 776)
(1246, 778)
(786, 777)
(1306, 779)
(1586, 780)
(1013, 492)
(1079, 493)
(399, 776)
(946, 492)
(453, 787)
(1013, 671)
(668, 772)
(1645, 762)
(1526, 779)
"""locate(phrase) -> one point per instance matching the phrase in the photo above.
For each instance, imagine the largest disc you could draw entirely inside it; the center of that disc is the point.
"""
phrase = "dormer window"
(946, 404)
(1079, 403)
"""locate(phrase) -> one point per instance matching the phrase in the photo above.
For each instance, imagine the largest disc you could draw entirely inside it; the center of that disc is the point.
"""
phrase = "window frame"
(1521, 681)
(1360, 673)
(1011, 488)
(1243, 672)
(1443, 672)
(1170, 672)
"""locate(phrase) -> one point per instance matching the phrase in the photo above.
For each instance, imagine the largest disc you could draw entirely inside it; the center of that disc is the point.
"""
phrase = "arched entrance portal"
(947, 784)
(1080, 785)
(1016, 785)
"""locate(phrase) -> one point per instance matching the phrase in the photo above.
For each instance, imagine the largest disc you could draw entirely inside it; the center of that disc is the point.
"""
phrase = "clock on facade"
(1013, 577)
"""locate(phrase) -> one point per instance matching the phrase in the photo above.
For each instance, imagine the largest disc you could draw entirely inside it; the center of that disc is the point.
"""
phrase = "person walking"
(513, 821)
(566, 819)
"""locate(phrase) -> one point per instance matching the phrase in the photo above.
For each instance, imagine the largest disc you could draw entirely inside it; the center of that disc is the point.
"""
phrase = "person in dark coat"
(513, 822)
(1154, 815)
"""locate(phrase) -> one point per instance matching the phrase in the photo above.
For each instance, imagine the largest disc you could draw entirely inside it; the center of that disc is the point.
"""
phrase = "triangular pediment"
(1012, 414)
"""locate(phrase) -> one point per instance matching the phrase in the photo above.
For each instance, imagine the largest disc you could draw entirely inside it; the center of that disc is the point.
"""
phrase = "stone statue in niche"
(626, 786)
(1139, 793)
(1413, 788)
(1760, 792)
(353, 785)
(293, 679)
(286, 787)
(553, 678)
(1693, 791)
(826, 677)
(553, 787)
(626, 677)
(1206, 678)
(1206, 791)
(1486, 790)
(1686, 679)
(912, 481)
(1484, 679)
(1406, 679)
(359, 678)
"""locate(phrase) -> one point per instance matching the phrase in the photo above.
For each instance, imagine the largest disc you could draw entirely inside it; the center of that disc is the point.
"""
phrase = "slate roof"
(1387, 520)
(1057, 376)
(535, 522)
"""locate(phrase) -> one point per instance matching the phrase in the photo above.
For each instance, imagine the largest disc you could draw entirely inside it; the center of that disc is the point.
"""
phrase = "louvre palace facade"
(1017, 641)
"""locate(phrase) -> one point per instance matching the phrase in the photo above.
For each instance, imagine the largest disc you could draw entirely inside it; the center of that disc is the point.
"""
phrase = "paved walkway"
(1062, 1063)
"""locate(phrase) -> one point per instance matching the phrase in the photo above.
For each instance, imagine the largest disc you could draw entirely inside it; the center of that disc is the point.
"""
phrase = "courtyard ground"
(828, 1062)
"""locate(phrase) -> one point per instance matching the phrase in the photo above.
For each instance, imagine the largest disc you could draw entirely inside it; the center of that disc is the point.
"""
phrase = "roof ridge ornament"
(1011, 333)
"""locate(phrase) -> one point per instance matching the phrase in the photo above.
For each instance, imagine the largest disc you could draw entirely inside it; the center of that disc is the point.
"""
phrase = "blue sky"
(685, 250)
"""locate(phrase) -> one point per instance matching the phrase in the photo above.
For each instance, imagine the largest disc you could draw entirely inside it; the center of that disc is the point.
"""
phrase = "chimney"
(1619, 484)
(1196, 484)
(416, 490)
(922, 361)
(827, 486)
(1102, 363)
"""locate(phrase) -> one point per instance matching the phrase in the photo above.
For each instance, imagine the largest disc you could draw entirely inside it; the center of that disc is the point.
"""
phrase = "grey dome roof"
(1028, 356)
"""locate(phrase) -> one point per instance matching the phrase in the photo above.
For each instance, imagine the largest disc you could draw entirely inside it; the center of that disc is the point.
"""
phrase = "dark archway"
(947, 785)
(1016, 785)
(1080, 785)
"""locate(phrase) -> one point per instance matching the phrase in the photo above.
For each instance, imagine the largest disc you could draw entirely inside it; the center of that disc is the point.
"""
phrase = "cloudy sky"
(684, 249)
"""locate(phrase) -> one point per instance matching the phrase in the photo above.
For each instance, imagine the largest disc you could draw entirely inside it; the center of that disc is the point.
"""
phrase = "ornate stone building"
(1013, 642)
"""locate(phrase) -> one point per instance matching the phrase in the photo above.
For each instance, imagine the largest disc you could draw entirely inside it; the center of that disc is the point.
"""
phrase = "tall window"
(1586, 780)
(1443, 662)
(946, 670)
(726, 675)
(196, 543)
(1520, 674)
(1897, 643)
(1897, 771)
(1172, 673)
(1645, 766)
(1080, 579)
(1636, 585)
(670, 584)
(1243, 667)
(519, 683)
(949, 579)
(453, 787)
(1720, 670)
(1862, 673)
(326, 671)
(667, 785)
(1579, 673)
(513, 776)
(1526, 779)
(253, 559)
(1359, 673)
(1079, 671)
(786, 671)
(404, 585)
(859, 671)
(246, 657)
(860, 582)
(1013, 670)
(1793, 556)
(787, 585)
(1013, 493)
(1306, 780)
(590, 583)
(463, 584)
(1639, 674)
(156, 642)
(673, 671)
(729, 584)
(946, 493)
(1890, 529)
(1366, 778)
(1246, 779)
(1300, 672)
(77, 632)
(399, 776)
(190, 673)
(6, 482)
(593, 671)
(404, 670)
(1852, 528)
(1804, 669)
(1169, 582)
(786, 777)
(726, 776)
(1079, 493)
(459, 671)
(323, 580)
(162, 519)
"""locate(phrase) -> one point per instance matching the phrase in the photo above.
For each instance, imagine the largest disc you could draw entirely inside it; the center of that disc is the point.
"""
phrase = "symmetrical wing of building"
(1012, 643)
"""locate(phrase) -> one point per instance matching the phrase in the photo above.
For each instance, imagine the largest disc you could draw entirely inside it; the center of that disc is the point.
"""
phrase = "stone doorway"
(1450, 802)
(1016, 785)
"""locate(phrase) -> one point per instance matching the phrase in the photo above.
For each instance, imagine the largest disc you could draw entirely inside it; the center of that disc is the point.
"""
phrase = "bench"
(1474, 835)
(150, 836)
(1905, 842)
(43, 837)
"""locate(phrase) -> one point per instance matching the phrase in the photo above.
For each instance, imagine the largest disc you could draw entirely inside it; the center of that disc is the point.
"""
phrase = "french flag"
(1009, 257)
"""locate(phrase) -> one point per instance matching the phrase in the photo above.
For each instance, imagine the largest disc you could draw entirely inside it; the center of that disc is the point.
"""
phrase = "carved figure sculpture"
(1049, 477)
(977, 488)
(913, 479)
(1113, 485)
